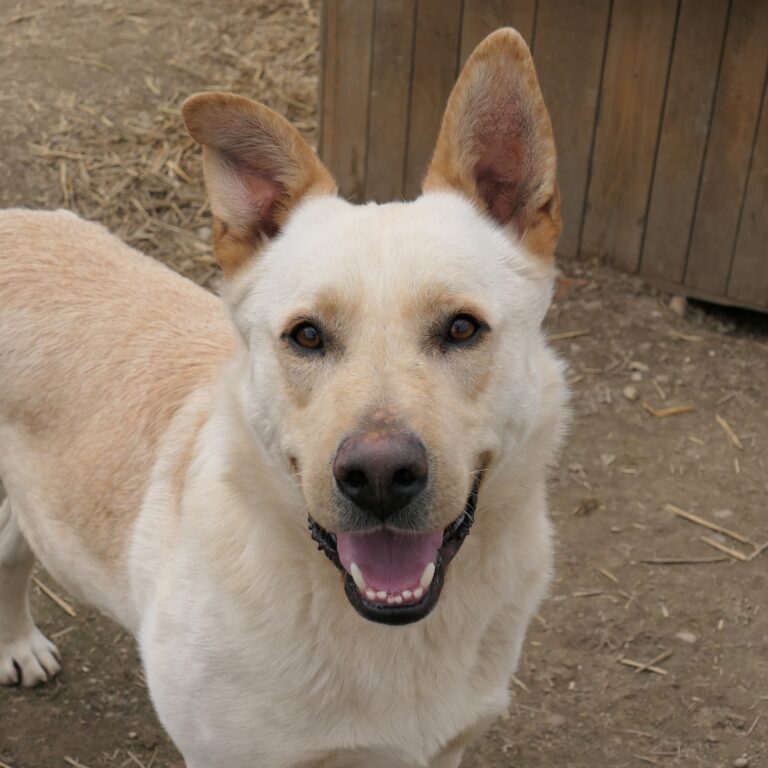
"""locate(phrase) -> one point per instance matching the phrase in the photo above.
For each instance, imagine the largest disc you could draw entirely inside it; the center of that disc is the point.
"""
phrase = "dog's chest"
(331, 698)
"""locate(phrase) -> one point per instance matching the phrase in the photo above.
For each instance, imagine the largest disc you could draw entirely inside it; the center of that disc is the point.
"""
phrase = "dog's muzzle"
(394, 576)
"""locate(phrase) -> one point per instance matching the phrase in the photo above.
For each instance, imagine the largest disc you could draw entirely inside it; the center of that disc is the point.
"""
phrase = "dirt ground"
(88, 120)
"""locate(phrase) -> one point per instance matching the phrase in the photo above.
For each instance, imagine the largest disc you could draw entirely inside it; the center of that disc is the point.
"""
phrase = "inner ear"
(257, 169)
(496, 145)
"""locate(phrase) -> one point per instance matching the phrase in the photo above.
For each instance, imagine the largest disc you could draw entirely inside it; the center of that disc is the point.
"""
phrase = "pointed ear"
(257, 168)
(496, 144)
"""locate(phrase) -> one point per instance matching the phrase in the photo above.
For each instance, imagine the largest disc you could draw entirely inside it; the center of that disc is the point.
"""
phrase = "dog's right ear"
(257, 167)
(496, 145)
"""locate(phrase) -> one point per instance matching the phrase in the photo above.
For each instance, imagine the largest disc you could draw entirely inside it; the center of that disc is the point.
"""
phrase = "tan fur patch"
(93, 370)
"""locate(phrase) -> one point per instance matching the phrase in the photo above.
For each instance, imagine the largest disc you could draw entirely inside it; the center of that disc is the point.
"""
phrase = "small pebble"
(630, 393)
(678, 305)
(636, 376)
(686, 636)
(204, 233)
(636, 365)
(723, 513)
(741, 762)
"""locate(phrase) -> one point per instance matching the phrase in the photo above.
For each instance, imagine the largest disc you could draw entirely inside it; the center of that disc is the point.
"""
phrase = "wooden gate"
(658, 106)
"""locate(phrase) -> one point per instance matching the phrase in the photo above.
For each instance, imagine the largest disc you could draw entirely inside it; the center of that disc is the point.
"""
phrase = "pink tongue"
(388, 560)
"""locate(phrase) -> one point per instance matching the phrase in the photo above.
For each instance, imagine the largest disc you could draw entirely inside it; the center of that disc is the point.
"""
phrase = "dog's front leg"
(27, 657)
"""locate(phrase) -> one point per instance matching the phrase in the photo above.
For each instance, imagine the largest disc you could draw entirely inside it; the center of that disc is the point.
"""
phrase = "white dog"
(376, 373)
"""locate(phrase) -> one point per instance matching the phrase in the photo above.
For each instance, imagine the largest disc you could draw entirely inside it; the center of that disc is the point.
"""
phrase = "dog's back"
(99, 348)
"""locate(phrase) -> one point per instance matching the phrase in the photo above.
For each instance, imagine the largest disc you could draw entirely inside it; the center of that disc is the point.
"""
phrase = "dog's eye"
(463, 328)
(307, 336)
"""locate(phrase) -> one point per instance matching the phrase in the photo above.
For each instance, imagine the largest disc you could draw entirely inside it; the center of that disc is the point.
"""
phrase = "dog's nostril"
(356, 479)
(403, 477)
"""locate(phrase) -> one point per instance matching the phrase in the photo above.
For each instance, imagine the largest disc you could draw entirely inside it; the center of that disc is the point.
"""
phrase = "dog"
(274, 491)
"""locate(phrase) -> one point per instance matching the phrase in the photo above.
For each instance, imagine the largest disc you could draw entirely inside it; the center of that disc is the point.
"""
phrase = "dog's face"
(391, 346)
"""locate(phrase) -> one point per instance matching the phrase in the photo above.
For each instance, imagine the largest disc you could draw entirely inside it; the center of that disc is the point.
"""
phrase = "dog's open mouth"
(391, 576)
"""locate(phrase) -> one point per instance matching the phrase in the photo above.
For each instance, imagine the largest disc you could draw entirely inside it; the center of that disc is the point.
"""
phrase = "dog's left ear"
(496, 144)
(257, 168)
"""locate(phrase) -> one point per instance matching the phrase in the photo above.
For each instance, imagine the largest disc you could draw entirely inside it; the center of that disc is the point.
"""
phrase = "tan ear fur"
(257, 167)
(496, 144)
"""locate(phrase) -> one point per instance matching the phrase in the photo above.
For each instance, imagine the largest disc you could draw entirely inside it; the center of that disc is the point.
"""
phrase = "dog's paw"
(29, 660)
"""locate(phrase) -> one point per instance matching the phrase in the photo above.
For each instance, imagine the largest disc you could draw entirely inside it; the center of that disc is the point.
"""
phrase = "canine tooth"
(418, 593)
(370, 594)
(381, 595)
(407, 594)
(427, 576)
(357, 575)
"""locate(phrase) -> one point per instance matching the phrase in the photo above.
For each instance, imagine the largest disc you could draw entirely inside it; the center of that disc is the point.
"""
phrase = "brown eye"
(463, 328)
(307, 336)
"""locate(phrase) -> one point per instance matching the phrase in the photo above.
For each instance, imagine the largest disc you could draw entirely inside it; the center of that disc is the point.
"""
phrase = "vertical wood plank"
(390, 82)
(685, 125)
(570, 41)
(348, 26)
(726, 165)
(636, 68)
(435, 64)
(481, 17)
(749, 275)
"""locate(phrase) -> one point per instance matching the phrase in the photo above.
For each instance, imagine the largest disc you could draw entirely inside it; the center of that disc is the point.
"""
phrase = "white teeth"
(427, 576)
(396, 598)
(357, 575)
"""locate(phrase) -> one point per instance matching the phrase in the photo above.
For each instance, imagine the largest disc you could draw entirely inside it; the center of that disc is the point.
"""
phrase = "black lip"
(395, 615)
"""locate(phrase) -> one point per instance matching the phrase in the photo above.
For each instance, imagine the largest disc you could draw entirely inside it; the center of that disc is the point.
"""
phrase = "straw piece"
(683, 560)
(74, 763)
(733, 438)
(683, 336)
(91, 63)
(568, 335)
(734, 553)
(707, 524)
(639, 664)
(663, 413)
(60, 601)
(663, 656)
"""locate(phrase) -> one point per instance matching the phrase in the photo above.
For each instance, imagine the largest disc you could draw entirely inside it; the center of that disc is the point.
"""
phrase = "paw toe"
(29, 661)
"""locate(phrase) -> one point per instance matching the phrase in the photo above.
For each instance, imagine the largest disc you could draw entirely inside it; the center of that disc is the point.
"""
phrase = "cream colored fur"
(161, 450)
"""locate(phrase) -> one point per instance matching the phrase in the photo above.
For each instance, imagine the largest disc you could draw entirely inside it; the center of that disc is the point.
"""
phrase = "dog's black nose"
(381, 472)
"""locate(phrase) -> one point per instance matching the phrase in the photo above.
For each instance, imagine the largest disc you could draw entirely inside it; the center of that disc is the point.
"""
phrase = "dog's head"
(391, 346)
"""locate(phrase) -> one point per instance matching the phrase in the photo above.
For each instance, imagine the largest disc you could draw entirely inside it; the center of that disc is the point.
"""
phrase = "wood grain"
(731, 140)
(345, 90)
(749, 273)
(390, 84)
(636, 68)
(570, 42)
(435, 66)
(684, 130)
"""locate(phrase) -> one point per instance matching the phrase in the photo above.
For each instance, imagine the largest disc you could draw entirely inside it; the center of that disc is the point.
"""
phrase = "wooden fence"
(658, 106)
